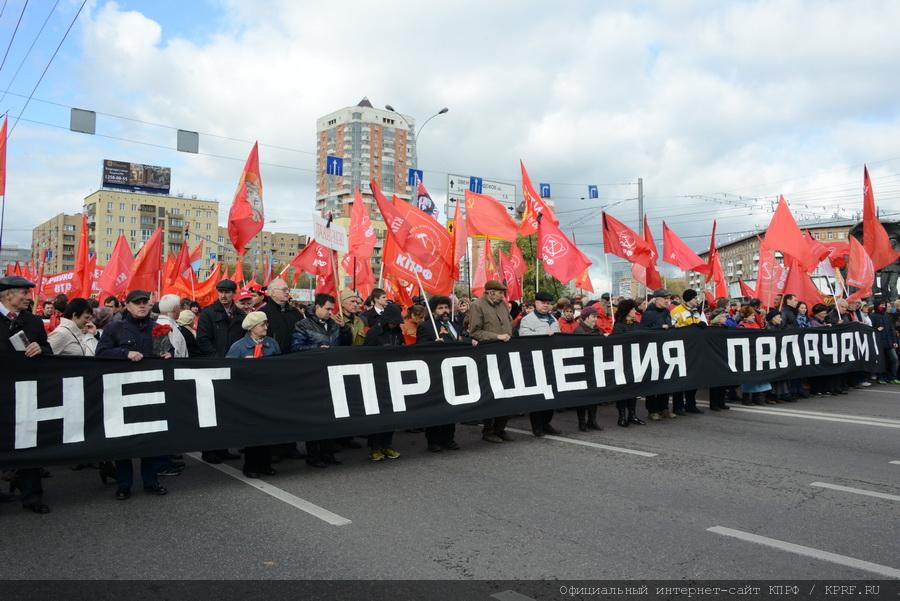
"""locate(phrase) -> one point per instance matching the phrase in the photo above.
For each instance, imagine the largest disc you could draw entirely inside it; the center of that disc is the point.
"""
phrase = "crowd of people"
(258, 322)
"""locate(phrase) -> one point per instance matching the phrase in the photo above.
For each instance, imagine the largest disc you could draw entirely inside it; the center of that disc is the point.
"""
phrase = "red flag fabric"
(622, 241)
(197, 255)
(679, 254)
(584, 282)
(396, 224)
(485, 270)
(203, 292)
(534, 206)
(784, 235)
(361, 239)
(770, 277)
(246, 217)
(837, 251)
(182, 263)
(485, 216)
(115, 277)
(648, 276)
(316, 260)
(145, 271)
(3, 136)
(860, 271)
(399, 291)
(818, 251)
(800, 285)
(517, 260)
(87, 284)
(560, 256)
(238, 276)
(746, 291)
(709, 298)
(716, 273)
(875, 238)
(510, 278)
(360, 270)
(460, 240)
(81, 263)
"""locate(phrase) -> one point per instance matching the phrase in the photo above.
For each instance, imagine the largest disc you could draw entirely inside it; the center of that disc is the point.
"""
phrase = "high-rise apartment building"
(56, 239)
(136, 215)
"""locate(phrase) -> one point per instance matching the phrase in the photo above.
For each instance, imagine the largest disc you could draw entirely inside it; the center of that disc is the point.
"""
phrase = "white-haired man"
(169, 309)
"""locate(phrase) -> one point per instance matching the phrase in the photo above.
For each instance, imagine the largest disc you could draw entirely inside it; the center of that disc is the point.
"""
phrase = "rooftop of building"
(176, 196)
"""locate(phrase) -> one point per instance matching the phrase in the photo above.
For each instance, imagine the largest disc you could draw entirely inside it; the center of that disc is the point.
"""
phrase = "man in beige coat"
(489, 321)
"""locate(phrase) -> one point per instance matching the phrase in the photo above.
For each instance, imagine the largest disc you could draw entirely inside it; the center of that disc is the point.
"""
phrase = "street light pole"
(416, 137)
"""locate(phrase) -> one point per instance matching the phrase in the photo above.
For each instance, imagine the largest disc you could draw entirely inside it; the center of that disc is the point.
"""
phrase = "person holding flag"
(686, 314)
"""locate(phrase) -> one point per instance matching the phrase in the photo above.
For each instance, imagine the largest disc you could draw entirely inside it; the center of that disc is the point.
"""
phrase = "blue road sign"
(475, 184)
(415, 175)
(334, 165)
(593, 192)
(545, 190)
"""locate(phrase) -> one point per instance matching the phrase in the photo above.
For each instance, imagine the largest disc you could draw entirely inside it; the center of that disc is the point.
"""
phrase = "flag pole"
(337, 287)
(425, 296)
(468, 270)
(833, 295)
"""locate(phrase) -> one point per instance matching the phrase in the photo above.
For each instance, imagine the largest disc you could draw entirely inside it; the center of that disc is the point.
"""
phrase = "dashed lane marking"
(585, 443)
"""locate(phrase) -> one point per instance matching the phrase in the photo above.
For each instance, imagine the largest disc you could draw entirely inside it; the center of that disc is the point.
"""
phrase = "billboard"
(458, 184)
(136, 177)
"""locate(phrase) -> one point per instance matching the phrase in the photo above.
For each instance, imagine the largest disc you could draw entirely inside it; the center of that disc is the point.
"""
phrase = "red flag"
(715, 273)
(836, 253)
(510, 278)
(360, 269)
(534, 206)
(648, 276)
(485, 216)
(800, 285)
(679, 254)
(203, 292)
(622, 241)
(393, 219)
(326, 278)
(114, 280)
(82, 271)
(197, 255)
(817, 250)
(90, 274)
(181, 264)
(746, 291)
(3, 157)
(460, 239)
(709, 298)
(584, 282)
(486, 269)
(860, 271)
(398, 290)
(784, 235)
(517, 260)
(246, 217)
(145, 271)
(238, 276)
(770, 277)
(875, 238)
(560, 256)
(361, 239)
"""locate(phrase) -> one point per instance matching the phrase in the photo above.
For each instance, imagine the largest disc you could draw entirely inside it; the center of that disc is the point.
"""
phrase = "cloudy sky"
(718, 106)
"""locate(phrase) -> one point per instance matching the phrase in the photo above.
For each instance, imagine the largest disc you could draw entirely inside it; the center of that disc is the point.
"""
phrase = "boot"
(632, 416)
(592, 419)
(745, 399)
(623, 421)
(582, 420)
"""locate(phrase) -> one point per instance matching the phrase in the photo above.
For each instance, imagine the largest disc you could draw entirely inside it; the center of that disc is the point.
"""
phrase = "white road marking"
(511, 595)
(584, 443)
(880, 390)
(282, 495)
(833, 417)
(844, 560)
(895, 462)
(858, 491)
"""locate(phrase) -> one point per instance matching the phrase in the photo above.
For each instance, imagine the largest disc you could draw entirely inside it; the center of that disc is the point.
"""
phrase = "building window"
(109, 231)
(109, 244)
(109, 206)
(133, 233)
(840, 235)
(121, 218)
(68, 228)
(208, 226)
(831, 235)
(121, 206)
(332, 122)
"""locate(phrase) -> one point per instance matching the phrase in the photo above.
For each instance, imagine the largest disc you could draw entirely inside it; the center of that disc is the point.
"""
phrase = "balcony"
(175, 224)
(147, 209)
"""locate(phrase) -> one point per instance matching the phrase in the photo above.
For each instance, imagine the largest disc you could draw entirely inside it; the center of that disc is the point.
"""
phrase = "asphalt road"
(530, 509)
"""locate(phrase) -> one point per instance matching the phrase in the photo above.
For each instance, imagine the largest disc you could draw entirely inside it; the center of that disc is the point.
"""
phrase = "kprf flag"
(784, 235)
(146, 269)
(679, 254)
(517, 260)
(622, 241)
(487, 217)
(118, 269)
(875, 238)
(534, 206)
(246, 217)
(860, 271)
(560, 256)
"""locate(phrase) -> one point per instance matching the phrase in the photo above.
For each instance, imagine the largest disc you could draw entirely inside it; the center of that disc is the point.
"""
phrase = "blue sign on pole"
(475, 184)
(415, 176)
(334, 165)
(593, 192)
(545, 190)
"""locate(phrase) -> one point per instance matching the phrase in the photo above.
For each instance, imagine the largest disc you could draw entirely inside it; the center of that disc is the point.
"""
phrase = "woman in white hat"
(254, 345)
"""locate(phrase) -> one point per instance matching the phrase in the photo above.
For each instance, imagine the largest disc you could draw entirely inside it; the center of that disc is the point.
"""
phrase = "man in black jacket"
(657, 317)
(282, 316)
(218, 327)
(15, 320)
(439, 437)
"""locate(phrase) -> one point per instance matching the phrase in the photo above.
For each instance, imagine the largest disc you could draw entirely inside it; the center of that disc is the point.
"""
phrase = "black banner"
(66, 409)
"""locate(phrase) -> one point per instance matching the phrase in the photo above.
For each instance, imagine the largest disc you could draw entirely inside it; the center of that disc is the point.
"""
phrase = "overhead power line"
(19, 22)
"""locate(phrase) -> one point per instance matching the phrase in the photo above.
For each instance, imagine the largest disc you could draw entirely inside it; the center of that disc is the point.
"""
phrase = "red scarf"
(258, 350)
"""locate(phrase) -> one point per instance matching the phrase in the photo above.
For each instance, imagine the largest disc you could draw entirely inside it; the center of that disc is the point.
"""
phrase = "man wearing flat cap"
(16, 321)
(541, 322)
(219, 327)
(489, 321)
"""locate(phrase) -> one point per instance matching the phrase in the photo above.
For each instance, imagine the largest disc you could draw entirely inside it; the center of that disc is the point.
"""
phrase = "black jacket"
(191, 340)
(381, 336)
(282, 321)
(126, 335)
(425, 331)
(29, 323)
(371, 317)
(624, 328)
(311, 333)
(216, 332)
(654, 318)
(789, 318)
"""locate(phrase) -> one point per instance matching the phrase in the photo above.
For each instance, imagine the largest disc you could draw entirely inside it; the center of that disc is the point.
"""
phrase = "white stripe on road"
(880, 390)
(282, 495)
(858, 491)
(584, 443)
(511, 595)
(895, 462)
(841, 418)
(843, 560)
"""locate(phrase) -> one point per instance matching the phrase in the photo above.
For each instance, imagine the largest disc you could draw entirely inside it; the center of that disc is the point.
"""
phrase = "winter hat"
(253, 319)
